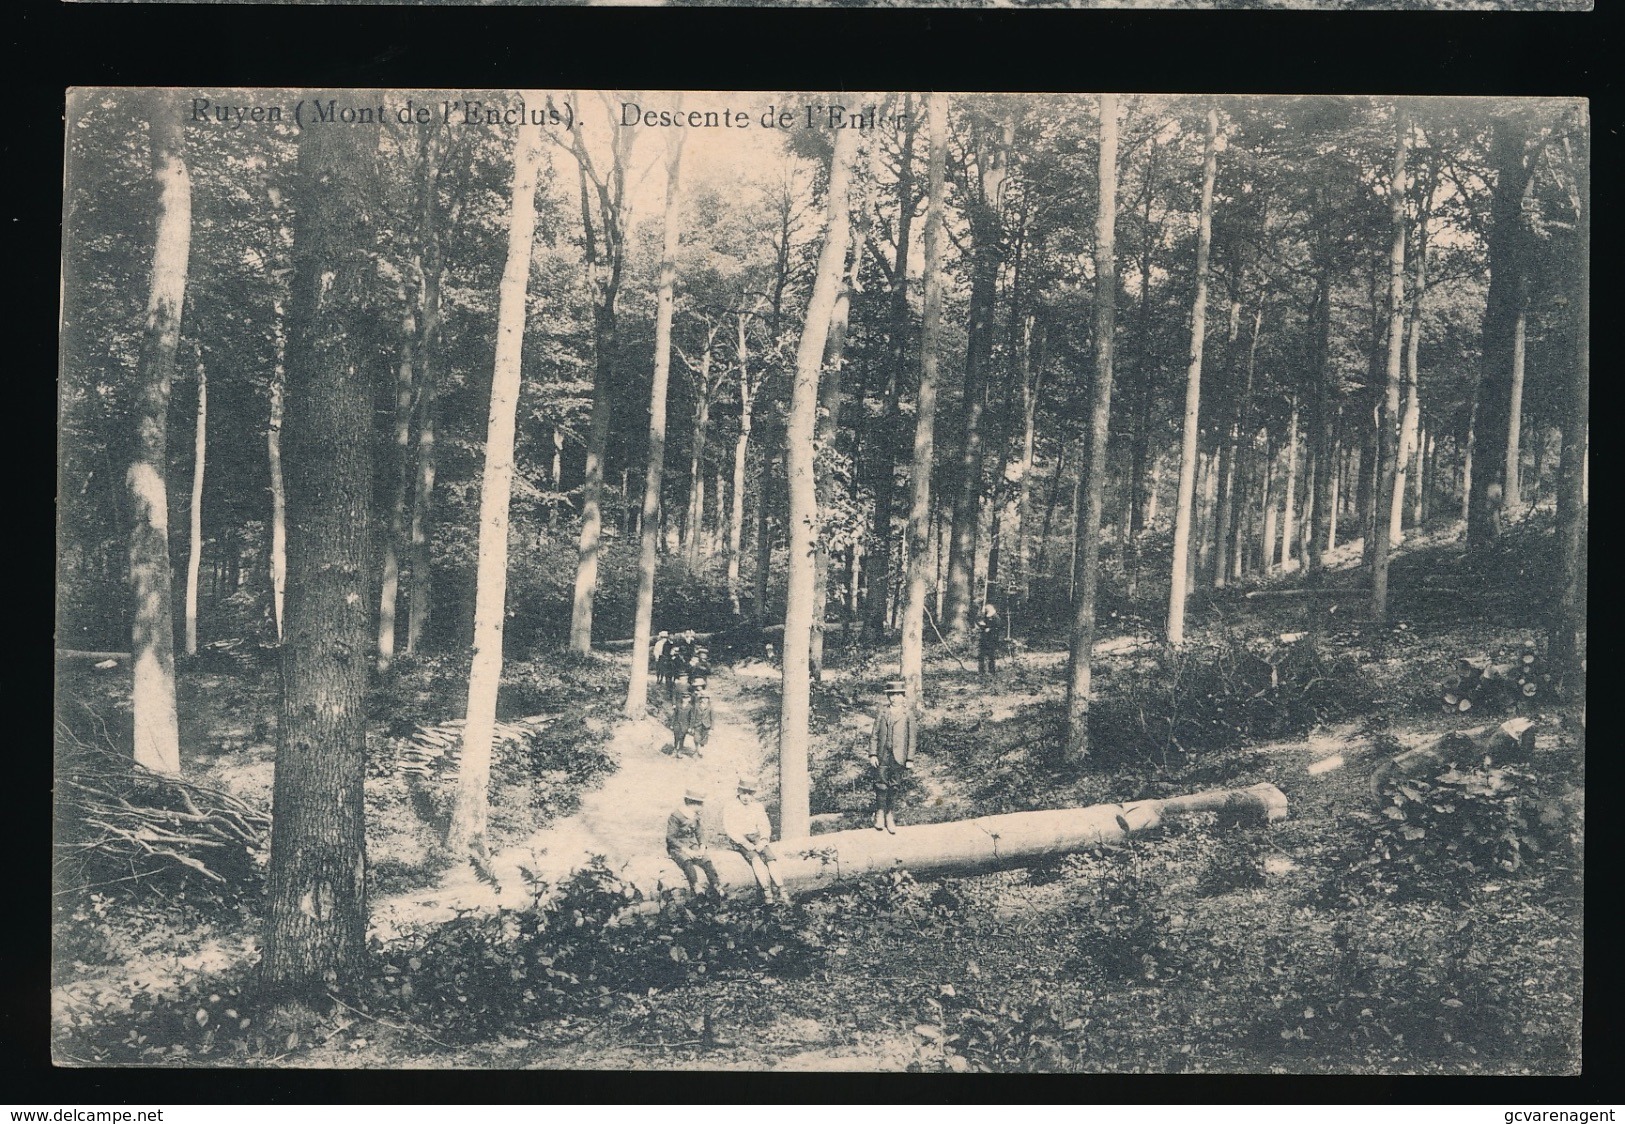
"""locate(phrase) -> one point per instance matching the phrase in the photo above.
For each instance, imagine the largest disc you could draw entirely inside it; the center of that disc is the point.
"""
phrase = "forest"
(452, 484)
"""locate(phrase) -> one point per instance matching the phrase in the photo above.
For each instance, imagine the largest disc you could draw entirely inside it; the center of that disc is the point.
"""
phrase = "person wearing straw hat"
(685, 843)
(891, 751)
(745, 823)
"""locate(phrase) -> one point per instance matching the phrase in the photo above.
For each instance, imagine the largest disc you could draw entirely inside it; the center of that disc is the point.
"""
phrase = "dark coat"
(895, 738)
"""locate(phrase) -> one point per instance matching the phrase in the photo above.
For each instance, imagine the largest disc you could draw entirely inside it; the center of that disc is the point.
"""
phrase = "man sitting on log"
(685, 843)
(745, 823)
(891, 751)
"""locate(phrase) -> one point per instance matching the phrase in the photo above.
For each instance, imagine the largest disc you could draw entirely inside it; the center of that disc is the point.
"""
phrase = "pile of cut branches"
(119, 823)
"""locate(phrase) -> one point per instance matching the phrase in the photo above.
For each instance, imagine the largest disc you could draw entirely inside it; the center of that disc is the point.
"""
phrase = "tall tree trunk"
(993, 172)
(1306, 518)
(315, 913)
(1566, 648)
(1290, 499)
(801, 599)
(1228, 441)
(1391, 486)
(1040, 563)
(764, 536)
(878, 573)
(736, 522)
(152, 633)
(194, 556)
(390, 587)
(1032, 385)
(606, 266)
(1410, 426)
(1266, 553)
(1468, 445)
(278, 559)
(919, 513)
(828, 426)
(1514, 455)
(694, 517)
(467, 832)
(1193, 393)
(637, 690)
(1504, 308)
(1100, 408)
(1317, 521)
(1235, 531)
(420, 597)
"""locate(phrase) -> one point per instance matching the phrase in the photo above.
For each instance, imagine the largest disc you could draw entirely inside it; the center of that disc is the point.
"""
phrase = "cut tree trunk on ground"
(1512, 740)
(978, 846)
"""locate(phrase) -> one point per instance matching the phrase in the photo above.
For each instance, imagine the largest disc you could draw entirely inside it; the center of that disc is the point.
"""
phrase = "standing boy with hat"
(685, 843)
(745, 823)
(682, 718)
(891, 751)
(699, 714)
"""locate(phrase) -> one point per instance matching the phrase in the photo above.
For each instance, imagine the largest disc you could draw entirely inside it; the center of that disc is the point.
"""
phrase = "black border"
(57, 45)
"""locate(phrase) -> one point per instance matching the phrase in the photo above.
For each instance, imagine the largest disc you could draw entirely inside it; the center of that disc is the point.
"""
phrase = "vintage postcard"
(800, 581)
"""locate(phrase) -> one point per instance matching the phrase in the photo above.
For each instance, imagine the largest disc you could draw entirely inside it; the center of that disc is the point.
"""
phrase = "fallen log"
(962, 847)
(1512, 740)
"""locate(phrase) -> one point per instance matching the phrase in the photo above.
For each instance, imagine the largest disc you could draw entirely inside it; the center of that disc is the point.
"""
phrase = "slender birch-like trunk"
(1193, 394)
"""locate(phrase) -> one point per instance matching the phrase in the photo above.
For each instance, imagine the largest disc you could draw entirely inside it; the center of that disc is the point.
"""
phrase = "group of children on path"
(682, 667)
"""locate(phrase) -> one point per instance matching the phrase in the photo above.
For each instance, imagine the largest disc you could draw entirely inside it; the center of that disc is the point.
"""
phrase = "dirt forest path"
(624, 819)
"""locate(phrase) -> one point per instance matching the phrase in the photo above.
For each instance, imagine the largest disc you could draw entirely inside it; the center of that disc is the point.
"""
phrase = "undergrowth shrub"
(1439, 836)
(1223, 694)
(965, 1030)
(1120, 922)
(576, 951)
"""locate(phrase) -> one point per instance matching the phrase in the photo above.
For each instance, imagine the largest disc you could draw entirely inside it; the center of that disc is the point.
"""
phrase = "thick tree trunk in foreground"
(919, 563)
(801, 599)
(1193, 394)
(194, 535)
(1100, 411)
(152, 632)
(990, 843)
(467, 832)
(316, 918)
(637, 690)
(1391, 488)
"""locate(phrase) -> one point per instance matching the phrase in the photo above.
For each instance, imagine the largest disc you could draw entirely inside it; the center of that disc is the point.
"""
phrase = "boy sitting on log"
(745, 823)
(685, 843)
